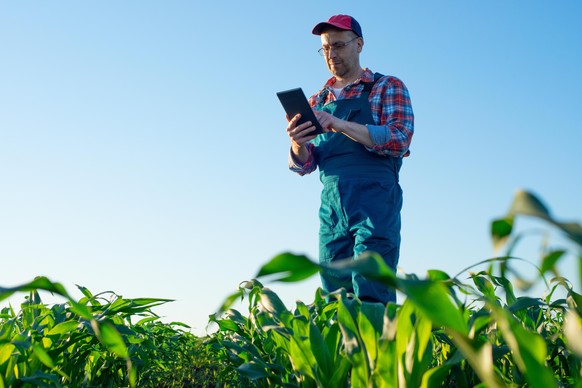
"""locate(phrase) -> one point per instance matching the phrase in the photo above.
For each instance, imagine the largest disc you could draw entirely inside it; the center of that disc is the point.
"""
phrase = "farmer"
(368, 123)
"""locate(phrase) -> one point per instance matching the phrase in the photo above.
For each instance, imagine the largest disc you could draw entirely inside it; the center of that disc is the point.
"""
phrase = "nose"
(330, 53)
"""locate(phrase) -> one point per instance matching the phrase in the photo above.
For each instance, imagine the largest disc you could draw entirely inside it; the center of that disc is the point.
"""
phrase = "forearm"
(392, 140)
(299, 153)
(355, 131)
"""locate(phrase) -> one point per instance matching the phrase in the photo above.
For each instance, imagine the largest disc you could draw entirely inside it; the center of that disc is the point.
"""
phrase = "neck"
(347, 79)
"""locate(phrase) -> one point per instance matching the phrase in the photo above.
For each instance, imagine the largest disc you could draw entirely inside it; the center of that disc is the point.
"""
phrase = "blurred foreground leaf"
(289, 268)
(528, 204)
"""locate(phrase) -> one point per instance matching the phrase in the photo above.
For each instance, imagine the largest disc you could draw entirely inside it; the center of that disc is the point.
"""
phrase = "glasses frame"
(337, 46)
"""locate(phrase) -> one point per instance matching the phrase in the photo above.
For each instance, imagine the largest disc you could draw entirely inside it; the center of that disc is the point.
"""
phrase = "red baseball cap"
(343, 22)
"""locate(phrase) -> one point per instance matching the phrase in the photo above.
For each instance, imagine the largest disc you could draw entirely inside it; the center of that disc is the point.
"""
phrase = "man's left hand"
(328, 122)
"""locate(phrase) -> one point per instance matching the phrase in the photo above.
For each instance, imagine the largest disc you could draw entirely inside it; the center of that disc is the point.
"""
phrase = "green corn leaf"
(437, 275)
(181, 324)
(435, 377)
(116, 306)
(253, 371)
(423, 351)
(479, 323)
(300, 350)
(500, 231)
(289, 267)
(575, 301)
(340, 373)
(81, 310)
(316, 343)
(302, 310)
(133, 377)
(526, 203)
(333, 338)
(508, 288)
(39, 283)
(236, 317)
(525, 302)
(369, 264)
(230, 300)
(529, 349)
(43, 356)
(227, 325)
(112, 339)
(43, 283)
(479, 357)
(370, 320)
(485, 286)
(385, 373)
(433, 300)
(6, 351)
(6, 329)
(573, 231)
(63, 327)
(572, 330)
(85, 291)
(135, 306)
(354, 346)
(348, 326)
(320, 353)
(550, 260)
(404, 336)
(271, 302)
(39, 379)
(245, 347)
(413, 336)
(145, 320)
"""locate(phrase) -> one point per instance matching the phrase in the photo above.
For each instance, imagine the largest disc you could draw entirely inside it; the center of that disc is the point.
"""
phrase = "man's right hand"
(299, 135)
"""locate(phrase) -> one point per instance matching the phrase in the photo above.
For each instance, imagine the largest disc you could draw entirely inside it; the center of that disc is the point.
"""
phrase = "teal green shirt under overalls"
(360, 202)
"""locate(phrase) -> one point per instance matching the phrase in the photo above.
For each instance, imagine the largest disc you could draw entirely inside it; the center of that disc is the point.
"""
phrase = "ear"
(360, 45)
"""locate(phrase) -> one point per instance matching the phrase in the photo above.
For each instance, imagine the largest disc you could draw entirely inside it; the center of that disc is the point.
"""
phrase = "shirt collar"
(367, 76)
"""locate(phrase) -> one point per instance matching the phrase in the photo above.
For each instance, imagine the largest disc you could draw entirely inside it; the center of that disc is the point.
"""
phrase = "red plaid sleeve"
(392, 111)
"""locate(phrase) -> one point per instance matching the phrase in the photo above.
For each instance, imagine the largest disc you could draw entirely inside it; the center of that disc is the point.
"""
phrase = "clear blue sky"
(142, 147)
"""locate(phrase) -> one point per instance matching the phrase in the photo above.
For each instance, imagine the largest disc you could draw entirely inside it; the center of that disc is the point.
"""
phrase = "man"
(368, 123)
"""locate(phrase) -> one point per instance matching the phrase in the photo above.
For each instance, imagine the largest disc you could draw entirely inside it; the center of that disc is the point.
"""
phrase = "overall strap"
(369, 85)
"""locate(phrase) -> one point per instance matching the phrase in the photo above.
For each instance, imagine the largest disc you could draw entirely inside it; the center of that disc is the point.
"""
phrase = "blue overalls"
(360, 201)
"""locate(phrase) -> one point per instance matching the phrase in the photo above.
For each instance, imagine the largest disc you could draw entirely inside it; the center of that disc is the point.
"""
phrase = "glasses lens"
(335, 47)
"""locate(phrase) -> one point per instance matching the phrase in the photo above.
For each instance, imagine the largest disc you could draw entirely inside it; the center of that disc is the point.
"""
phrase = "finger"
(307, 130)
(295, 118)
(293, 123)
(302, 133)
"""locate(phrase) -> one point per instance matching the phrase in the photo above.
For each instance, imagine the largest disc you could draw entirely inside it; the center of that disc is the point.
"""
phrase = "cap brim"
(319, 28)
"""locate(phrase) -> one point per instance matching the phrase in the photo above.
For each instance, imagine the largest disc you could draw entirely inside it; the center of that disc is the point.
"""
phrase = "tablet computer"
(294, 101)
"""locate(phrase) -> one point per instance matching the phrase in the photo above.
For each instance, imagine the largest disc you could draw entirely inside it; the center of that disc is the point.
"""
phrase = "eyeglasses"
(336, 47)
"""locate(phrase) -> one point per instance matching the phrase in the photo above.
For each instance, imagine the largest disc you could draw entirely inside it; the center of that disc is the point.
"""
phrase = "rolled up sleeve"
(306, 168)
(392, 108)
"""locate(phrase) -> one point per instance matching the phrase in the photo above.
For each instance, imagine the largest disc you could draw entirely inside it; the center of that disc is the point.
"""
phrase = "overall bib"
(360, 201)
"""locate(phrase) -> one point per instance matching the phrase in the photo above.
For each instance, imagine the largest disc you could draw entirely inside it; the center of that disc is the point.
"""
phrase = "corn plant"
(100, 340)
(447, 332)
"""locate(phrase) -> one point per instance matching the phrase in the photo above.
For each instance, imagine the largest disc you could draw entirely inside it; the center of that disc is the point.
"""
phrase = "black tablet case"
(294, 101)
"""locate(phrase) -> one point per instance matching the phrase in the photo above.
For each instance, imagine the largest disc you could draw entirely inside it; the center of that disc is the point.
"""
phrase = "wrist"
(296, 149)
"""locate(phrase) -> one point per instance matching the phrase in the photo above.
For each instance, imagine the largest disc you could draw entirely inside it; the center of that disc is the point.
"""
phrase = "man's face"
(341, 51)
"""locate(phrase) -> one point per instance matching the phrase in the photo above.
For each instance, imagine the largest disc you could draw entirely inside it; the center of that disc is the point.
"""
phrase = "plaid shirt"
(391, 110)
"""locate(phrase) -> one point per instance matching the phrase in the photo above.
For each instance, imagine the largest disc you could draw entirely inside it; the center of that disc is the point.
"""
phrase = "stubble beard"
(338, 70)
